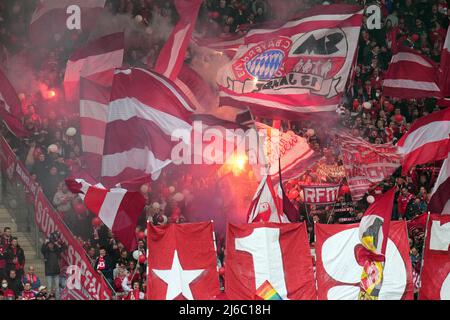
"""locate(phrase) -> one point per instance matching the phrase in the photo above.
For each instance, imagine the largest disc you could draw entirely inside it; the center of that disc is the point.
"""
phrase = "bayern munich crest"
(265, 65)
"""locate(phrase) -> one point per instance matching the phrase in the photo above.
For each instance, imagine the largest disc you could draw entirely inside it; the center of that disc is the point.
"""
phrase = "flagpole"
(423, 254)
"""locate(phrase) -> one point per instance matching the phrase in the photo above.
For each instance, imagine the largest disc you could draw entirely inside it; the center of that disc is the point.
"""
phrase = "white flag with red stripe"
(427, 140)
(171, 57)
(440, 196)
(94, 100)
(145, 112)
(411, 75)
(444, 75)
(296, 68)
(52, 19)
(265, 206)
(96, 62)
(118, 208)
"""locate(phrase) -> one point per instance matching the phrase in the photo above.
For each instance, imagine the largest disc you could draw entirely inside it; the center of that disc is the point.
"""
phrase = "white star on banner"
(177, 279)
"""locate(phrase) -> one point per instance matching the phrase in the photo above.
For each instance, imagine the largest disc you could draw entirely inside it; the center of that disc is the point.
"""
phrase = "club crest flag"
(373, 234)
(299, 67)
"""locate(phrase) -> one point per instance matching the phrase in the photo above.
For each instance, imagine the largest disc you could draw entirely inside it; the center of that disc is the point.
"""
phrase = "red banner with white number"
(435, 279)
(339, 270)
(278, 253)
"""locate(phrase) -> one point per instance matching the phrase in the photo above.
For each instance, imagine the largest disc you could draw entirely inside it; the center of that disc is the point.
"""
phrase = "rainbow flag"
(267, 292)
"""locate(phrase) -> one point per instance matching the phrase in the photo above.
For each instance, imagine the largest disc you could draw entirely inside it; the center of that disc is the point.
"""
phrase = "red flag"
(411, 75)
(440, 195)
(435, 276)
(265, 205)
(96, 62)
(182, 262)
(145, 110)
(444, 75)
(367, 164)
(427, 140)
(118, 208)
(278, 253)
(339, 263)
(50, 21)
(10, 108)
(171, 57)
(296, 68)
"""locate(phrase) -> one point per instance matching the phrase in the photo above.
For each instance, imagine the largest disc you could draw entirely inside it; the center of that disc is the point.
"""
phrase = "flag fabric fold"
(117, 208)
(411, 75)
(373, 234)
(440, 195)
(427, 140)
(444, 75)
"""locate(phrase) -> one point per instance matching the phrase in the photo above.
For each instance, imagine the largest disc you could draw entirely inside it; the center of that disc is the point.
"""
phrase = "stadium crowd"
(54, 152)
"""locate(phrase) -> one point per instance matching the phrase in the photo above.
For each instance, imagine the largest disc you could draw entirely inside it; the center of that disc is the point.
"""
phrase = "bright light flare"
(238, 164)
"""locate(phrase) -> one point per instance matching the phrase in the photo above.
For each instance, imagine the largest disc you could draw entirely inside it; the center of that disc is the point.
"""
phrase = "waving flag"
(444, 76)
(96, 62)
(290, 70)
(118, 208)
(145, 111)
(367, 164)
(171, 57)
(182, 262)
(373, 234)
(411, 75)
(279, 254)
(440, 195)
(267, 292)
(50, 19)
(265, 205)
(427, 140)
(10, 108)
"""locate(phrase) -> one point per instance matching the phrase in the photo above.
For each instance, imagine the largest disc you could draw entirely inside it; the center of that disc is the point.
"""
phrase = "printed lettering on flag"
(367, 164)
(322, 194)
(277, 253)
(299, 67)
(339, 269)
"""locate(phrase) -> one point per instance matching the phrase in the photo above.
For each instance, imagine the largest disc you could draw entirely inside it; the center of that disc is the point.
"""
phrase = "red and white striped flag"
(411, 75)
(118, 208)
(94, 100)
(427, 140)
(293, 69)
(265, 206)
(51, 19)
(96, 62)
(171, 57)
(440, 196)
(10, 108)
(144, 112)
(444, 75)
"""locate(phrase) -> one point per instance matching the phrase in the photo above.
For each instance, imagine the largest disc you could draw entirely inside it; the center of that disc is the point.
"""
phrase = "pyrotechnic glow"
(238, 163)
(51, 94)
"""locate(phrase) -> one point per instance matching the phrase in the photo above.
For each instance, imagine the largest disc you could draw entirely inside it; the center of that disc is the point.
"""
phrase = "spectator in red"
(2, 263)
(135, 293)
(31, 278)
(403, 199)
(104, 265)
(6, 292)
(15, 258)
(5, 239)
(28, 293)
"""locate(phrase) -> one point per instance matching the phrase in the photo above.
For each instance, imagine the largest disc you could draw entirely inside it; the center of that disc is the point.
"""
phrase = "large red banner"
(278, 253)
(339, 270)
(83, 281)
(435, 279)
(367, 164)
(182, 262)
